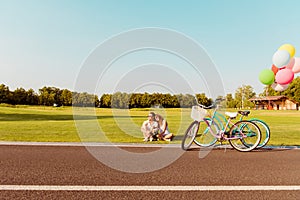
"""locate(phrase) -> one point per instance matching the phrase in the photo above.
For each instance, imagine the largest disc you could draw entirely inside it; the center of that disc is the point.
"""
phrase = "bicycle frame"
(221, 120)
(222, 132)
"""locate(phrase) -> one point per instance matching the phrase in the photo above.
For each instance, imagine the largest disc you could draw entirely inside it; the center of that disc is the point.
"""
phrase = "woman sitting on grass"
(164, 133)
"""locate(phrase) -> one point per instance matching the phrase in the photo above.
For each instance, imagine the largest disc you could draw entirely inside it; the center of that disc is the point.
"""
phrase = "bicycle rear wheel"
(265, 132)
(204, 138)
(189, 135)
(244, 136)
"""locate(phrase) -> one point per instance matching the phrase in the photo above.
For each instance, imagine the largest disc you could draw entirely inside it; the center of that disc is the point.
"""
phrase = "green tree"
(189, 101)
(230, 102)
(46, 96)
(19, 96)
(167, 101)
(84, 99)
(202, 99)
(31, 97)
(293, 90)
(97, 101)
(5, 94)
(105, 101)
(146, 100)
(180, 99)
(120, 100)
(242, 96)
(50, 96)
(66, 97)
(269, 91)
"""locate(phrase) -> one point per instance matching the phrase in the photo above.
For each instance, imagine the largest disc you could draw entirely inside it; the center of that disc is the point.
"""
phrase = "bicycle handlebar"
(206, 107)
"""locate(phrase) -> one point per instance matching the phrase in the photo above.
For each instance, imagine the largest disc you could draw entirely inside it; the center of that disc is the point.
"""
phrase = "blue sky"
(45, 43)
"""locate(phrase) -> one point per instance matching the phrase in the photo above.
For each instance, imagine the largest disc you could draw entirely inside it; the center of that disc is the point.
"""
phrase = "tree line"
(146, 100)
(49, 96)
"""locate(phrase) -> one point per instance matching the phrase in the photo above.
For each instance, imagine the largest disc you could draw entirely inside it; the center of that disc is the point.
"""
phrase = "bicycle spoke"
(204, 138)
(189, 135)
(244, 136)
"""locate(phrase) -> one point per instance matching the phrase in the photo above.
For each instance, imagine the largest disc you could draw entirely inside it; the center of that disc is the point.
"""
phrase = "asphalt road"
(62, 167)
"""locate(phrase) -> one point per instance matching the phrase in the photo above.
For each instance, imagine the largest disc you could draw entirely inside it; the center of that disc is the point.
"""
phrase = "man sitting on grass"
(150, 127)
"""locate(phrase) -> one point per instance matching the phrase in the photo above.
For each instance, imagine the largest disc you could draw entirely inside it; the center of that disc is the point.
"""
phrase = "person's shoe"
(145, 140)
(151, 139)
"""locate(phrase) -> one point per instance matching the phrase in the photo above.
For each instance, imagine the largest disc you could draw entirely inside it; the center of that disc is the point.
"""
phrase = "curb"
(85, 144)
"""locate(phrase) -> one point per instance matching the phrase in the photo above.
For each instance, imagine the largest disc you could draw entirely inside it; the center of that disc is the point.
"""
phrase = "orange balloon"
(275, 69)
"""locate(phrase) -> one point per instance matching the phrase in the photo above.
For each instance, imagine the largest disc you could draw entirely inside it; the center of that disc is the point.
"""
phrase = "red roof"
(267, 98)
(270, 98)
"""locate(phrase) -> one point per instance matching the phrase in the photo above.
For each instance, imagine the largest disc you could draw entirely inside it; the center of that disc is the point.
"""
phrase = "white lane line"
(146, 188)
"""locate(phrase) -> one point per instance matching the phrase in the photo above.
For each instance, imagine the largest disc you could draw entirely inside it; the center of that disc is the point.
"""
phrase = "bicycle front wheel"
(204, 137)
(244, 136)
(189, 135)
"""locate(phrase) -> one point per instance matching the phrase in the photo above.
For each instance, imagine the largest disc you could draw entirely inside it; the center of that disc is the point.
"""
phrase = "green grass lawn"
(50, 124)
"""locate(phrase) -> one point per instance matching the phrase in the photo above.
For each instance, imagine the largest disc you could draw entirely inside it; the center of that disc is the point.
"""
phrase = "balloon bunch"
(283, 70)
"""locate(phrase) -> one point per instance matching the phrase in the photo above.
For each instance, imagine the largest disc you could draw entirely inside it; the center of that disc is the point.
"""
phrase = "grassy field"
(50, 124)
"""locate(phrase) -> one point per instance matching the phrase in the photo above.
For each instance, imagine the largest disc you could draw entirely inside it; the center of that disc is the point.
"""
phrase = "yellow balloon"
(290, 48)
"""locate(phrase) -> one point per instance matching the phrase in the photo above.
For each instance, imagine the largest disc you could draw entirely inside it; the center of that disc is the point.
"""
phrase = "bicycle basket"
(198, 113)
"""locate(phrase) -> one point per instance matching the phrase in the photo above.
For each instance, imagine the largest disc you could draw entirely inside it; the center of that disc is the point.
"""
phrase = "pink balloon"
(284, 76)
(291, 63)
(296, 67)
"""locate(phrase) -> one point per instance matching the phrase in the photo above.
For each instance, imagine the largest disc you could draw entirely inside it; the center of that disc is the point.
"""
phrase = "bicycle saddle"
(245, 113)
(232, 115)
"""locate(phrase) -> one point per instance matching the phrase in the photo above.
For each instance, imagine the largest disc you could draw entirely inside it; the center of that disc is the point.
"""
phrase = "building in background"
(275, 103)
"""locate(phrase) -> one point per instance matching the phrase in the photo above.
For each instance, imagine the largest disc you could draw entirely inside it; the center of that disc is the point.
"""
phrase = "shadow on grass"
(45, 117)
(177, 138)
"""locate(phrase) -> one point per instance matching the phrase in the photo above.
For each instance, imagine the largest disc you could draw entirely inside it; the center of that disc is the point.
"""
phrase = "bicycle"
(263, 126)
(243, 135)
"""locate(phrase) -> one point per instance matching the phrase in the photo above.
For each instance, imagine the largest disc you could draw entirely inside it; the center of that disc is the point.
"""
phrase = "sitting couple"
(156, 127)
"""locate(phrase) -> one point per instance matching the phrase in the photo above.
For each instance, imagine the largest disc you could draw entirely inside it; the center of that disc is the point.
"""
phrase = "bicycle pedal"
(221, 140)
(226, 134)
